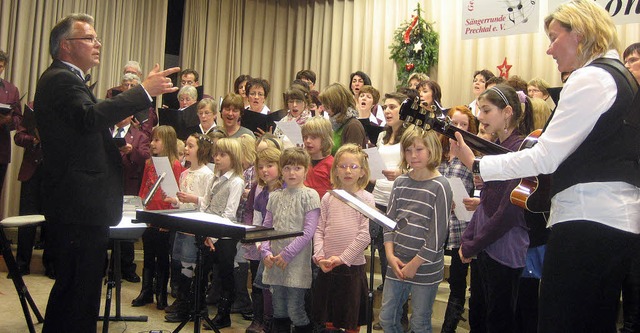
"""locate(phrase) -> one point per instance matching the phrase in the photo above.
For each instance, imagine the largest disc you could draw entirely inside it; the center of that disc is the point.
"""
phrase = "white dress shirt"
(587, 94)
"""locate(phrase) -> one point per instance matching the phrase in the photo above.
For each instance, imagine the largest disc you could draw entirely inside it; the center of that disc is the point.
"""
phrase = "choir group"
(234, 162)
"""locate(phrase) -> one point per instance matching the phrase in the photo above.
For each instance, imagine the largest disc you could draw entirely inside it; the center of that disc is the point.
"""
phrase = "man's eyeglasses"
(94, 40)
(256, 94)
(205, 113)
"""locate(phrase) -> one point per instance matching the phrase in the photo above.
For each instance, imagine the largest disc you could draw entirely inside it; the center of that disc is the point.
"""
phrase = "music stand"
(378, 217)
(124, 232)
(204, 225)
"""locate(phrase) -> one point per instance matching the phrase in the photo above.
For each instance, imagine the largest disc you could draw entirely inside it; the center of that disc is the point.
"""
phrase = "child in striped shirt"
(420, 203)
(340, 290)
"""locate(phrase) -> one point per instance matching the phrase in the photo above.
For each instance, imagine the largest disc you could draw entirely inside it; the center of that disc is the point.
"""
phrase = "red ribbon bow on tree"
(408, 32)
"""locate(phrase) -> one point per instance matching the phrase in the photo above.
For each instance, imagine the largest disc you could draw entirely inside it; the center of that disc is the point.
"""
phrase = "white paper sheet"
(292, 130)
(210, 218)
(459, 193)
(366, 210)
(376, 163)
(169, 184)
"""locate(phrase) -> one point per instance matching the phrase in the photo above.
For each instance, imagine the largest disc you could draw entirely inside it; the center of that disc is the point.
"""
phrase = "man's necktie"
(119, 133)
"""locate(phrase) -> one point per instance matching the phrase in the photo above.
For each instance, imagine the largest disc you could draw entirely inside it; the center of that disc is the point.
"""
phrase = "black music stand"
(378, 217)
(204, 225)
(124, 232)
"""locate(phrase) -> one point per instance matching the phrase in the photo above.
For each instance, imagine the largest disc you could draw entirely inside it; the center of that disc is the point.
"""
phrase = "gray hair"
(62, 29)
(130, 77)
(189, 91)
(134, 64)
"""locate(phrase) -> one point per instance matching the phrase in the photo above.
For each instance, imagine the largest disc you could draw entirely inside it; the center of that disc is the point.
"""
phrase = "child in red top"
(155, 242)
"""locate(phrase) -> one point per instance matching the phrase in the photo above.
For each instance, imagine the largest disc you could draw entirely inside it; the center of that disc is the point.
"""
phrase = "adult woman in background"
(595, 201)
(538, 88)
(258, 90)
(430, 93)
(480, 78)
(338, 102)
(357, 80)
(231, 115)
(239, 86)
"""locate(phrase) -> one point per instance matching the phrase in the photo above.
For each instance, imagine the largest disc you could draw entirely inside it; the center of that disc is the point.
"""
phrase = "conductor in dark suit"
(83, 168)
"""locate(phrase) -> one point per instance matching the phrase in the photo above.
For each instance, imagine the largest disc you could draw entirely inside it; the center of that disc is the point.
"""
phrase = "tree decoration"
(414, 47)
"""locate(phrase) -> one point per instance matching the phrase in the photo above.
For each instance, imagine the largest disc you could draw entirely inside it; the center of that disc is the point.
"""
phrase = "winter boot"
(161, 290)
(281, 325)
(223, 318)
(146, 294)
(242, 303)
(452, 315)
(256, 325)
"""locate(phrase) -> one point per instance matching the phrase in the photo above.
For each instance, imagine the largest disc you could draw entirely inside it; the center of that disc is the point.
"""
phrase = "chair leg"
(23, 293)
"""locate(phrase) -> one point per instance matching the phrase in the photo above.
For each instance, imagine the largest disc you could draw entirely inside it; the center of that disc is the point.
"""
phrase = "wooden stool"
(12, 266)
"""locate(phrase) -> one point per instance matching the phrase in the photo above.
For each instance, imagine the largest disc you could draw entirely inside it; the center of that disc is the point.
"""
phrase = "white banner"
(489, 18)
(622, 11)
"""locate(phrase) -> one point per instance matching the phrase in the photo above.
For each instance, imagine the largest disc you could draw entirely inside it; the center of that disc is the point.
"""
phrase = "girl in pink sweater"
(339, 241)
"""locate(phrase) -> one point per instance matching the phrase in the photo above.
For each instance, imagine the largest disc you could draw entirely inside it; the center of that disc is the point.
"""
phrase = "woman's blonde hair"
(541, 84)
(320, 127)
(429, 139)
(233, 148)
(209, 104)
(248, 144)
(363, 160)
(541, 112)
(270, 155)
(169, 141)
(591, 22)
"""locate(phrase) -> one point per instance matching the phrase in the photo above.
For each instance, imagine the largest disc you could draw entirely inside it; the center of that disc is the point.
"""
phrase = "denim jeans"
(184, 248)
(393, 297)
(289, 302)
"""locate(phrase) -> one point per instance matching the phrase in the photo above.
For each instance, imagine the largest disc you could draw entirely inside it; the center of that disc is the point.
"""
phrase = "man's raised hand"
(157, 82)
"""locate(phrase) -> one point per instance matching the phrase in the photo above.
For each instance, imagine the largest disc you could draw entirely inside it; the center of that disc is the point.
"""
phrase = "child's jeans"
(393, 297)
(288, 302)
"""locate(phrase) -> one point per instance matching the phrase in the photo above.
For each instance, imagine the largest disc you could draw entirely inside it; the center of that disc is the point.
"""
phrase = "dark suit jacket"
(133, 163)
(82, 166)
(9, 94)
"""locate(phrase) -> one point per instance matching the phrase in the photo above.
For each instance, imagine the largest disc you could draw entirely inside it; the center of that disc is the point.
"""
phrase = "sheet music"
(376, 163)
(209, 218)
(459, 193)
(169, 184)
(368, 211)
(292, 130)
